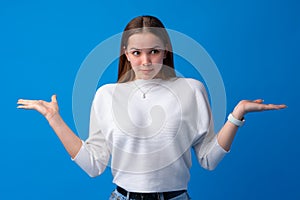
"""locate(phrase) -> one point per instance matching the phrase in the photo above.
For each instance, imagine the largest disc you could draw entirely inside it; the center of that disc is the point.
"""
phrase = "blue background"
(254, 43)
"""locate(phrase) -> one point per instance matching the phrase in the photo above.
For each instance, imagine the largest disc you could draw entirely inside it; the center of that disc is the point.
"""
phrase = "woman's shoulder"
(105, 89)
(193, 83)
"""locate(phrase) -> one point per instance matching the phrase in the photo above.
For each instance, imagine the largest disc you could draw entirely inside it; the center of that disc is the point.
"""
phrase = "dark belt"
(150, 196)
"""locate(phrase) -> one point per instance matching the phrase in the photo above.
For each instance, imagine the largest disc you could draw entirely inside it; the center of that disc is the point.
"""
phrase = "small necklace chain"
(144, 93)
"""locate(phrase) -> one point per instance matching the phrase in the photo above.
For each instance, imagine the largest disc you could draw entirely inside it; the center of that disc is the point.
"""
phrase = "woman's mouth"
(146, 70)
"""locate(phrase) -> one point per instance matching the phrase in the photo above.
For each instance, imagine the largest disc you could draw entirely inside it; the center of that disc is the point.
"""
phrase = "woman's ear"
(126, 53)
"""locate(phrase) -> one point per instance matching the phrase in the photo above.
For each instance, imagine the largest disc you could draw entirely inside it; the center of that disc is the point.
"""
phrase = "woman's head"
(146, 51)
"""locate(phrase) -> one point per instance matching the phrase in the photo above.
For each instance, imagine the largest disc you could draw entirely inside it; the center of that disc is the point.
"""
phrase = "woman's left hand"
(246, 106)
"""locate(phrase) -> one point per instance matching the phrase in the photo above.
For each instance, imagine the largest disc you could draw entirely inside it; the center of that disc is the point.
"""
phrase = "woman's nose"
(146, 60)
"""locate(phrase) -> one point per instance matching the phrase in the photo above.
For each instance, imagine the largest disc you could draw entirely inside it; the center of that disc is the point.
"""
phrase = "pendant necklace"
(144, 93)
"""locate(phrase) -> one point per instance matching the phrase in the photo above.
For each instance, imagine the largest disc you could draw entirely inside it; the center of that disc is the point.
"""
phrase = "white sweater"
(147, 141)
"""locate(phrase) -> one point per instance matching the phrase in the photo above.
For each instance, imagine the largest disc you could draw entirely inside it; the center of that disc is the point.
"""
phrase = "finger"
(27, 107)
(258, 101)
(32, 107)
(274, 107)
(25, 101)
(282, 106)
(53, 98)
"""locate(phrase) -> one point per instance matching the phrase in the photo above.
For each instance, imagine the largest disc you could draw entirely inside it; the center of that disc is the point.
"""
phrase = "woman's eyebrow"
(133, 48)
(155, 47)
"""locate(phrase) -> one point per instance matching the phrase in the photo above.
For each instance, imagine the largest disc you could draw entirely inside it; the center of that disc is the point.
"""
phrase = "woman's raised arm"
(228, 131)
(50, 111)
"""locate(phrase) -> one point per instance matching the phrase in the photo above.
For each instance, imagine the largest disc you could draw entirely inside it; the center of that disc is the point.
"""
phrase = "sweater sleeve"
(207, 149)
(94, 154)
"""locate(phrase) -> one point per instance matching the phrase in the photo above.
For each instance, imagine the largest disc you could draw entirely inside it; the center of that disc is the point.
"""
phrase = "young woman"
(146, 124)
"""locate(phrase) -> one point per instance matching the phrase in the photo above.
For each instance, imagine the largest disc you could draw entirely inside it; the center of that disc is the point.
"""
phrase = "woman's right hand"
(47, 109)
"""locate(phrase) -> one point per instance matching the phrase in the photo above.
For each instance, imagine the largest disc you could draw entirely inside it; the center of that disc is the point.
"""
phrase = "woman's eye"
(154, 51)
(135, 53)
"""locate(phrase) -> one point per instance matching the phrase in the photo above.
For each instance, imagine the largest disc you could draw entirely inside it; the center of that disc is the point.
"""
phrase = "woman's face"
(145, 52)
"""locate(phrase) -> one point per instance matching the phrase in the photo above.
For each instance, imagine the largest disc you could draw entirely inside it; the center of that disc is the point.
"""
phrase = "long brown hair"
(145, 24)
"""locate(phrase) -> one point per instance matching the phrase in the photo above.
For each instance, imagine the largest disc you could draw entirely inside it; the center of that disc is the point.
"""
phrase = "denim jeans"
(115, 195)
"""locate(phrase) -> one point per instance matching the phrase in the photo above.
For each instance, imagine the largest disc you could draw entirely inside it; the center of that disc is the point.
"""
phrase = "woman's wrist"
(239, 111)
(53, 118)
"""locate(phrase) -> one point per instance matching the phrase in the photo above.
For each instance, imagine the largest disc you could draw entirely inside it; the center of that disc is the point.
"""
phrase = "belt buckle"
(156, 196)
(142, 196)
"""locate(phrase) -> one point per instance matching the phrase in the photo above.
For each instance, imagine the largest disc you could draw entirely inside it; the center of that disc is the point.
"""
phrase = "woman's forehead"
(144, 40)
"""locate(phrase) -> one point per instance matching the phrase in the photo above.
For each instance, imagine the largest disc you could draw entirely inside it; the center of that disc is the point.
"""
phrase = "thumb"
(258, 101)
(53, 98)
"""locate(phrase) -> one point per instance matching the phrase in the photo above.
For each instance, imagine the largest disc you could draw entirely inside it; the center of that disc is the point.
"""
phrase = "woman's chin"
(146, 76)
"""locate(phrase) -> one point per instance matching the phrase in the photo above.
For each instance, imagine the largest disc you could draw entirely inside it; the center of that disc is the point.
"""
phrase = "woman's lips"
(146, 70)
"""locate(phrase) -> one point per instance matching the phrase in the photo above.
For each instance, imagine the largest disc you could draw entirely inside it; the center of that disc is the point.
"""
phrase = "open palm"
(47, 109)
(257, 106)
